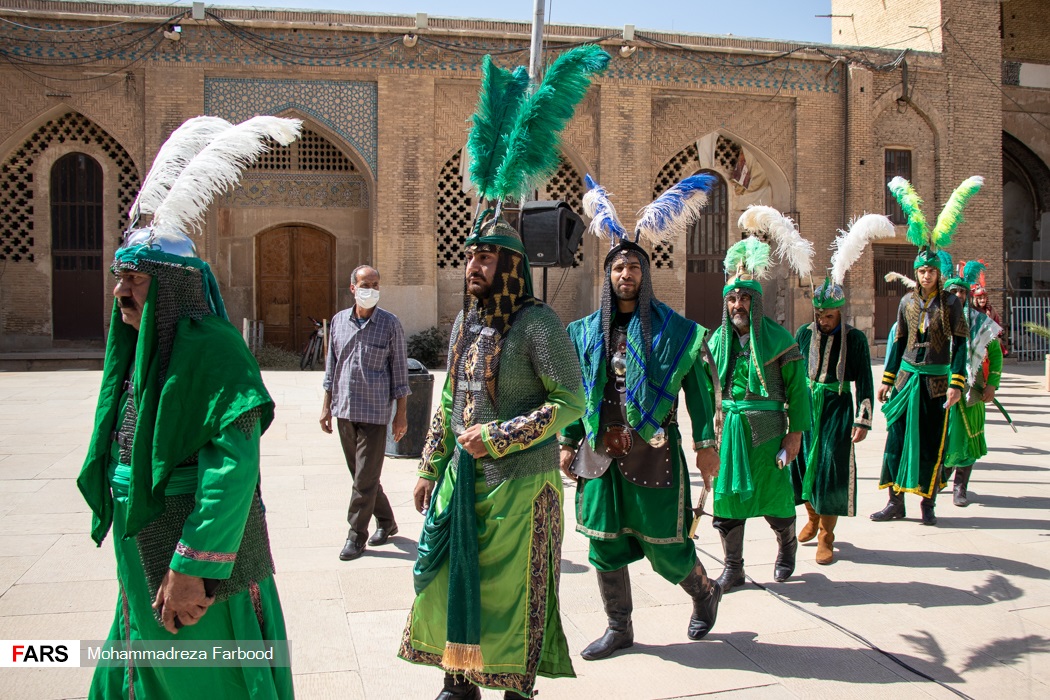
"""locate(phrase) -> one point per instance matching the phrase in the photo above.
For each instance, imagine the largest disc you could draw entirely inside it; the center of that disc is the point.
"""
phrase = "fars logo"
(34, 653)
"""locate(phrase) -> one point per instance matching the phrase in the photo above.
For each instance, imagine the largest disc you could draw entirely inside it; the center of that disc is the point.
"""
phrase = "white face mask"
(366, 298)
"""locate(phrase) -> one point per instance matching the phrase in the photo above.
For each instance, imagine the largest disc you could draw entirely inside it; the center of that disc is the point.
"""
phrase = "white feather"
(218, 167)
(172, 158)
(600, 216)
(898, 277)
(659, 223)
(849, 245)
(788, 242)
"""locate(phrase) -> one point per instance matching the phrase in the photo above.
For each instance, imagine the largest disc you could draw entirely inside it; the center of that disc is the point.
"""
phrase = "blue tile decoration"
(211, 43)
(349, 108)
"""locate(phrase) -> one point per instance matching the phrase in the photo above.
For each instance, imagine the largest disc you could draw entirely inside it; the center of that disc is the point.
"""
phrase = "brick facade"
(817, 124)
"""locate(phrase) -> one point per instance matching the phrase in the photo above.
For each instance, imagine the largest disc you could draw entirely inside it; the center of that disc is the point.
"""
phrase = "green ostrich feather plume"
(532, 146)
(946, 265)
(972, 272)
(752, 253)
(498, 103)
(911, 204)
(951, 216)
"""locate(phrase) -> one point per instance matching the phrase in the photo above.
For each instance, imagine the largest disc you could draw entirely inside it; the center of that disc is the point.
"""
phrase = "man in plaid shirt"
(366, 370)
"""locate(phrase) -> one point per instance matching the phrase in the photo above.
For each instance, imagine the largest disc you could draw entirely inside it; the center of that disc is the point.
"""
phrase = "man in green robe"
(636, 354)
(766, 408)
(984, 366)
(924, 374)
(824, 474)
(173, 468)
(486, 579)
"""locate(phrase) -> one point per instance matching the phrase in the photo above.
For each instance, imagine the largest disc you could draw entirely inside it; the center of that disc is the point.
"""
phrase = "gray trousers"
(363, 445)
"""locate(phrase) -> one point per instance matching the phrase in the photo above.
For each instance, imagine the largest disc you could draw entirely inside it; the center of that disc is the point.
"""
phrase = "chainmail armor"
(527, 354)
(643, 308)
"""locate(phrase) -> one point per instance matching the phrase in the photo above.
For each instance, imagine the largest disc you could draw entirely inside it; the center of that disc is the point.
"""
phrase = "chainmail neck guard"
(644, 301)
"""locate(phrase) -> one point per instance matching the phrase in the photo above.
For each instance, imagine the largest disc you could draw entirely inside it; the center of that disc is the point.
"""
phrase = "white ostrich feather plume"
(218, 167)
(787, 241)
(172, 158)
(898, 277)
(849, 245)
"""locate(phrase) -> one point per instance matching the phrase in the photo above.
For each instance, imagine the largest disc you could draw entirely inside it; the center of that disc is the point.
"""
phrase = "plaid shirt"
(367, 366)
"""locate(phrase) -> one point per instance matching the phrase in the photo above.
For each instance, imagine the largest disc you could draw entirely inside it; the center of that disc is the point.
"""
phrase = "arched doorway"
(294, 273)
(706, 246)
(76, 248)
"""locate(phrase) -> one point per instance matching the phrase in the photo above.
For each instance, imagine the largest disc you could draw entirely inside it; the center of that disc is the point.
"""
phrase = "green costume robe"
(984, 366)
(825, 471)
(625, 520)
(212, 404)
(518, 519)
(750, 484)
(928, 354)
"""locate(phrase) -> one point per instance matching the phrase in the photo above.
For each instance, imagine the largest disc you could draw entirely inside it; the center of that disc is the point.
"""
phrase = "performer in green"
(824, 474)
(486, 577)
(636, 354)
(984, 366)
(765, 404)
(926, 364)
(173, 465)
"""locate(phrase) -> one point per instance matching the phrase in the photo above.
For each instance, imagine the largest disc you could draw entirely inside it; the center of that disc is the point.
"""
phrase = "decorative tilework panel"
(350, 109)
(300, 190)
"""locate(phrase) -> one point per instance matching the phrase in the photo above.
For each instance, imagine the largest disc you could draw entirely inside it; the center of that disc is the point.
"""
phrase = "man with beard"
(766, 407)
(487, 575)
(173, 465)
(925, 368)
(636, 354)
(984, 365)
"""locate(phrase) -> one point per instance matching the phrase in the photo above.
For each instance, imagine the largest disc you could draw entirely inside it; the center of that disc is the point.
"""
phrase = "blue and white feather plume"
(604, 221)
(672, 213)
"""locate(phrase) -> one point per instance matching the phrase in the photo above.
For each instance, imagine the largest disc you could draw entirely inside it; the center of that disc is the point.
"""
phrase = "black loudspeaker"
(551, 232)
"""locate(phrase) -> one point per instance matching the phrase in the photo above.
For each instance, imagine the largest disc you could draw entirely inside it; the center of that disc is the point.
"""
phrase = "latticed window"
(898, 163)
(311, 152)
(455, 208)
(16, 180)
(685, 163)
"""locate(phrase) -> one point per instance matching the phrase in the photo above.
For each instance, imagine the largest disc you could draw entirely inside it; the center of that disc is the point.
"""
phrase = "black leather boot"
(732, 532)
(962, 481)
(788, 547)
(458, 688)
(615, 587)
(894, 510)
(706, 595)
(928, 517)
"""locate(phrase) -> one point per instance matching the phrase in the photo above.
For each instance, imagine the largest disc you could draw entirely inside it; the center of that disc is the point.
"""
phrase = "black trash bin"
(421, 382)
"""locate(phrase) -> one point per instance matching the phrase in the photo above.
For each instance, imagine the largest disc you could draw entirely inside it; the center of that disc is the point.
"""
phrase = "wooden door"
(890, 258)
(706, 250)
(295, 282)
(77, 295)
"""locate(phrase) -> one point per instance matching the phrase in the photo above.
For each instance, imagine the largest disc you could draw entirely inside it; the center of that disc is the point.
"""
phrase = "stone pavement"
(967, 602)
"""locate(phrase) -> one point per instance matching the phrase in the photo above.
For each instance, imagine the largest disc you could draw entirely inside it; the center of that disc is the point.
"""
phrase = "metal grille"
(76, 212)
(16, 179)
(1025, 345)
(898, 163)
(707, 241)
(890, 258)
(311, 152)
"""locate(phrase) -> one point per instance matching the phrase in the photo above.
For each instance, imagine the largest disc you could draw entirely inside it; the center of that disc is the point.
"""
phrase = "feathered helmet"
(747, 261)
(966, 277)
(930, 241)
(849, 246)
(980, 287)
(514, 137)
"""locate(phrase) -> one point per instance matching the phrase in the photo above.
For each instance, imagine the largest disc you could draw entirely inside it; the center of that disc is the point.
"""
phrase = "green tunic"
(966, 443)
(750, 484)
(224, 480)
(927, 356)
(518, 520)
(627, 521)
(825, 471)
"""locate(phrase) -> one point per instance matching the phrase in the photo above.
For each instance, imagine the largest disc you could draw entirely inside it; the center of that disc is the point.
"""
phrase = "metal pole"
(536, 49)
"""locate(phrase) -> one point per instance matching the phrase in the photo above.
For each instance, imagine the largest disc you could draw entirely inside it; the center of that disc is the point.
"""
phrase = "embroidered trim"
(197, 555)
(521, 431)
(703, 445)
(256, 595)
(434, 445)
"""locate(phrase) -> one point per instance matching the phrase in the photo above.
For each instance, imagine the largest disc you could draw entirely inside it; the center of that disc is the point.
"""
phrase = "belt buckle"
(618, 440)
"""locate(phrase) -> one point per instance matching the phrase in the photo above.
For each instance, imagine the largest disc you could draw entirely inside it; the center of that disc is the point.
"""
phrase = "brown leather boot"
(809, 531)
(826, 539)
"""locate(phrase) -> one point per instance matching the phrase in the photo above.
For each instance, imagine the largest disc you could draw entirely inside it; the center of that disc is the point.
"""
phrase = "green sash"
(818, 389)
(735, 476)
(907, 400)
